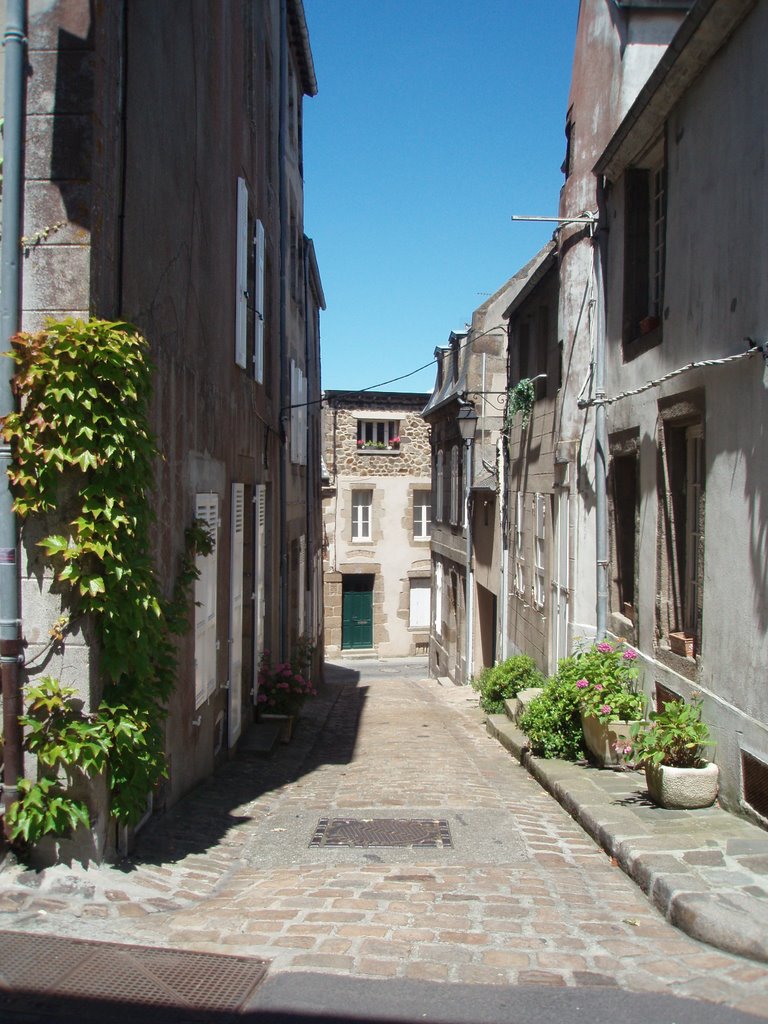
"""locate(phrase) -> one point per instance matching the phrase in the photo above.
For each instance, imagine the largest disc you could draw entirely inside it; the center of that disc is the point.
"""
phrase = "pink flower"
(582, 684)
(604, 648)
(605, 709)
(261, 698)
(599, 686)
(629, 655)
(360, 443)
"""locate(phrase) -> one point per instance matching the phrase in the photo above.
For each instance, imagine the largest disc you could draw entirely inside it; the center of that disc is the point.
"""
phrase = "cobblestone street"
(521, 897)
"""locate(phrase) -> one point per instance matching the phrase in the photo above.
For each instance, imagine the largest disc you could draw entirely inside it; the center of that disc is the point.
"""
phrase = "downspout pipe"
(285, 397)
(601, 447)
(14, 42)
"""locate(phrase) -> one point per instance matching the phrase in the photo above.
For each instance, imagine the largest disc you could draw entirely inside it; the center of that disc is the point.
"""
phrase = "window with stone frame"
(681, 528)
(645, 228)
(624, 497)
(378, 435)
(362, 501)
(422, 514)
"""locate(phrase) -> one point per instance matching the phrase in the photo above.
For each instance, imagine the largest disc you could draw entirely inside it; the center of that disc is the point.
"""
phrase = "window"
(422, 515)
(361, 515)
(439, 486)
(298, 415)
(519, 559)
(236, 566)
(259, 572)
(455, 485)
(418, 617)
(249, 271)
(644, 252)
(206, 509)
(682, 525)
(625, 498)
(539, 550)
(378, 435)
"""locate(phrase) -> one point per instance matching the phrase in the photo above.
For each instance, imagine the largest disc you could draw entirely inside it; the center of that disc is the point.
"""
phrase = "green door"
(357, 613)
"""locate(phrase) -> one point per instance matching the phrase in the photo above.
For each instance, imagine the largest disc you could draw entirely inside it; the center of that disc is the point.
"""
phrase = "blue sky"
(435, 121)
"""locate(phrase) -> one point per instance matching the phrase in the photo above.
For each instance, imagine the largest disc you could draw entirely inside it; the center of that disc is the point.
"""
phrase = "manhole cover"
(416, 832)
(45, 969)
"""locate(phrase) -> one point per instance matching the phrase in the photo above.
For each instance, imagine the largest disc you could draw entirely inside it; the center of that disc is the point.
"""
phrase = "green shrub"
(504, 681)
(552, 721)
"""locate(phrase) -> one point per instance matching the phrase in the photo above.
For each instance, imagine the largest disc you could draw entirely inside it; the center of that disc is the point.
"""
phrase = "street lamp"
(466, 419)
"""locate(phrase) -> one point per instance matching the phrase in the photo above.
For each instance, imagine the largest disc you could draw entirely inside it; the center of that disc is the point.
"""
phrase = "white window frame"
(207, 510)
(695, 471)
(519, 544)
(362, 515)
(539, 549)
(422, 513)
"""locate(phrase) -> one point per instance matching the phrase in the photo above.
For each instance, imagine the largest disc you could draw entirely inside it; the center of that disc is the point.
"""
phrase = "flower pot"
(601, 739)
(682, 787)
(682, 644)
(286, 725)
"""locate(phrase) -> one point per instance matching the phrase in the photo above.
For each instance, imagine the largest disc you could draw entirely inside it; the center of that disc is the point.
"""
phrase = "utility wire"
(585, 403)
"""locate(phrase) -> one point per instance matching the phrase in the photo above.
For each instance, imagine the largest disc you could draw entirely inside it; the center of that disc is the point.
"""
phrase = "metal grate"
(414, 832)
(137, 975)
(754, 775)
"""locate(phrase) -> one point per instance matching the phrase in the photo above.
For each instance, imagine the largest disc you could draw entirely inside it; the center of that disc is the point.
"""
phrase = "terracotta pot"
(684, 788)
(601, 738)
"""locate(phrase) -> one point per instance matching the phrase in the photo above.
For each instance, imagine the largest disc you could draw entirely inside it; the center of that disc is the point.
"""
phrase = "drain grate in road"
(414, 832)
(53, 968)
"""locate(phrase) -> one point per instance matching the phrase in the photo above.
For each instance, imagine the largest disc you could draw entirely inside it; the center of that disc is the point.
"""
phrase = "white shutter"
(241, 274)
(519, 560)
(258, 301)
(302, 583)
(237, 534)
(438, 598)
(540, 507)
(207, 509)
(259, 571)
(419, 604)
(294, 412)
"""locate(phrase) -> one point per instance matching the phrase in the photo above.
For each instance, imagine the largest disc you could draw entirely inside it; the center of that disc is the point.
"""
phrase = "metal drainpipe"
(14, 42)
(309, 567)
(285, 227)
(601, 450)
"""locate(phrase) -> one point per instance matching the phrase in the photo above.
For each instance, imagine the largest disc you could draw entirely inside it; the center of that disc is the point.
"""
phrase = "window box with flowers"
(281, 693)
(378, 437)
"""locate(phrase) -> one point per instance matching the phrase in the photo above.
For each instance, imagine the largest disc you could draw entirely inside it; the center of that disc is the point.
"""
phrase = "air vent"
(754, 781)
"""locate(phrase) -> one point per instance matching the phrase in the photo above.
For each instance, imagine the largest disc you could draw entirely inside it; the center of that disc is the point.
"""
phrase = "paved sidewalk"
(522, 897)
(706, 870)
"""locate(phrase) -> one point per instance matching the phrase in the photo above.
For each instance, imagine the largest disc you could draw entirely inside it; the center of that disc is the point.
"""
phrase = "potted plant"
(281, 692)
(671, 748)
(608, 701)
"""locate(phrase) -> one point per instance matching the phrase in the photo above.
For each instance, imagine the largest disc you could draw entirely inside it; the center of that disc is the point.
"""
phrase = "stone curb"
(721, 915)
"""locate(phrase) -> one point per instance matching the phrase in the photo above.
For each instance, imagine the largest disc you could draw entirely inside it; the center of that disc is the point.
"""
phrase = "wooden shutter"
(259, 576)
(241, 275)
(237, 534)
(258, 299)
(206, 509)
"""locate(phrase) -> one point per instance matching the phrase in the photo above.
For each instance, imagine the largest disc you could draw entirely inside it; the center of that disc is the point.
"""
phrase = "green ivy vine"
(520, 398)
(82, 443)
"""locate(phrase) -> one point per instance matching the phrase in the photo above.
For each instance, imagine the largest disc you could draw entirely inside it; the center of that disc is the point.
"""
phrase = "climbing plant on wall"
(82, 444)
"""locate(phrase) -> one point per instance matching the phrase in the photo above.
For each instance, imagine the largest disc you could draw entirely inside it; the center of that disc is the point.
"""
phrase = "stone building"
(377, 512)
(163, 186)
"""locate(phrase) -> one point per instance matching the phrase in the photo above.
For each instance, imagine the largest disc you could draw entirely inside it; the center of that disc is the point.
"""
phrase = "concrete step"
(515, 706)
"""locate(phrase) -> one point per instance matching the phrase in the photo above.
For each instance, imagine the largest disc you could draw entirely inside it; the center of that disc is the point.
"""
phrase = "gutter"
(285, 400)
(14, 41)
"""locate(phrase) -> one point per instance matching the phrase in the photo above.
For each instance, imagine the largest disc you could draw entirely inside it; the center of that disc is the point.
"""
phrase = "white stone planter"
(686, 788)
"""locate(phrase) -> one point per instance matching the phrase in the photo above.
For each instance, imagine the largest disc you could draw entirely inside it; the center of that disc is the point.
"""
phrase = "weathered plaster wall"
(715, 296)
